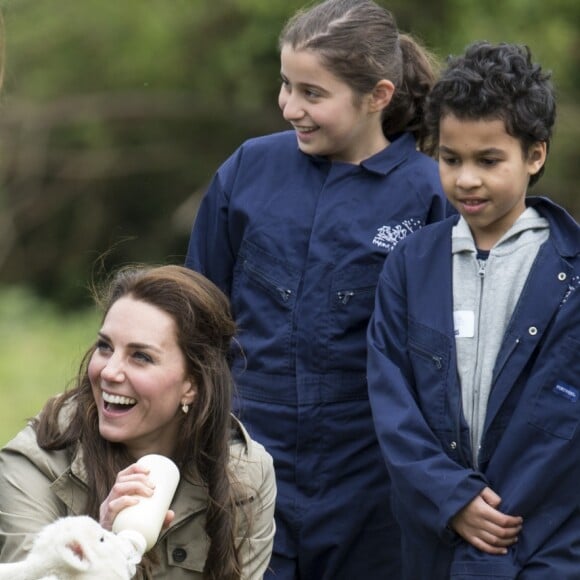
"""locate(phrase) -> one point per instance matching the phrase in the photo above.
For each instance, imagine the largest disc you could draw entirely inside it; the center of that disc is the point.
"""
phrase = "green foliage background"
(41, 350)
(115, 114)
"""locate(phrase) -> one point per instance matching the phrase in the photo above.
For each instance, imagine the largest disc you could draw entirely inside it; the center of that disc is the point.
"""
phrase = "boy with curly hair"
(473, 365)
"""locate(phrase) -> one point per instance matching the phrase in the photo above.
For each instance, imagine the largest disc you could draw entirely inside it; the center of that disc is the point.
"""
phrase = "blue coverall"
(530, 452)
(297, 243)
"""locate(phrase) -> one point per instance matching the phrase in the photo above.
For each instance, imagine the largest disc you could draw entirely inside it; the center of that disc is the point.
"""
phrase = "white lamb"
(78, 548)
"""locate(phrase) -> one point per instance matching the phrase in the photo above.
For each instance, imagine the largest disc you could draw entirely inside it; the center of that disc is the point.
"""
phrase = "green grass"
(40, 353)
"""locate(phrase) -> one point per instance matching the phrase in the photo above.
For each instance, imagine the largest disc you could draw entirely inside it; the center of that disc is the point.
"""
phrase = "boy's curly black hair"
(495, 81)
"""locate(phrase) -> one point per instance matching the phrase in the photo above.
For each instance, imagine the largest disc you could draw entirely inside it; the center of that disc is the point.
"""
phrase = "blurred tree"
(116, 114)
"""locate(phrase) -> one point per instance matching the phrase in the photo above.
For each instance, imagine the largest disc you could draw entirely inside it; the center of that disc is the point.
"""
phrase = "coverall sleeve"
(256, 550)
(27, 502)
(210, 250)
(429, 487)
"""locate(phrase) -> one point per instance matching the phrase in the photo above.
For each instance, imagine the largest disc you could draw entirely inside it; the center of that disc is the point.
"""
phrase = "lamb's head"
(77, 547)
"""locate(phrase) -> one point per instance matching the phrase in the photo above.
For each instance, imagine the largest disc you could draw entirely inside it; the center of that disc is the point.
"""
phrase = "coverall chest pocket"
(352, 299)
(258, 272)
(556, 408)
(263, 300)
(429, 354)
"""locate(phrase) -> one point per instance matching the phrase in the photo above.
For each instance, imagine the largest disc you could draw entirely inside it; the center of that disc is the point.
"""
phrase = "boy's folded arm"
(429, 486)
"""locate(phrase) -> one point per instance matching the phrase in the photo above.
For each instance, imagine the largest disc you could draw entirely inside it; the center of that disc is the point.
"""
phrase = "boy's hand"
(484, 526)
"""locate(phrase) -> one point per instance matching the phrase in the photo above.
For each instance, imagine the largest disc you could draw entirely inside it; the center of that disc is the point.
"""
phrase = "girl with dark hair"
(295, 228)
(156, 381)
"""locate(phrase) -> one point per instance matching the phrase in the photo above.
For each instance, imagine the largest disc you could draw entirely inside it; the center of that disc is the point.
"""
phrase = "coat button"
(179, 555)
(533, 331)
(453, 445)
(562, 276)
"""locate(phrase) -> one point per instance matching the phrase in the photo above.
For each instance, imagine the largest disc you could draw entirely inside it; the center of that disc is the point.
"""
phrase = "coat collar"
(564, 230)
(191, 496)
(382, 163)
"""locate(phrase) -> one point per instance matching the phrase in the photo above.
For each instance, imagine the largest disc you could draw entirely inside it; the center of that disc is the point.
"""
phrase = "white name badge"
(464, 323)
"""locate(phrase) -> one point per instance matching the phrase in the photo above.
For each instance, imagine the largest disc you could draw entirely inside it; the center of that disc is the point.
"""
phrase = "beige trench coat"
(37, 487)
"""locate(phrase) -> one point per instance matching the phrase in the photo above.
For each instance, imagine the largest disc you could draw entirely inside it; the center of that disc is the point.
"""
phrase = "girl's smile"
(329, 118)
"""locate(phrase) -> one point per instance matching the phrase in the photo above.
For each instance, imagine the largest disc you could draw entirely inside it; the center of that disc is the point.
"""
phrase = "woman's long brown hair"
(205, 329)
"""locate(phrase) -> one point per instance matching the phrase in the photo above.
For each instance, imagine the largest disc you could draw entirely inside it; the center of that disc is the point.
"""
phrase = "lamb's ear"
(74, 555)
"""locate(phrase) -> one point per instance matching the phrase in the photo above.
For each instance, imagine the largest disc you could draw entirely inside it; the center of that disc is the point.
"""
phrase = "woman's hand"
(131, 483)
(486, 528)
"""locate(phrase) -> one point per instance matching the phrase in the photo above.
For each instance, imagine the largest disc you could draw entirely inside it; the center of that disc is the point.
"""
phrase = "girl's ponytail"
(405, 112)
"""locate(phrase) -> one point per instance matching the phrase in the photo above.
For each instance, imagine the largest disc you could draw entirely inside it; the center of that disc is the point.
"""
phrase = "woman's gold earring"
(185, 408)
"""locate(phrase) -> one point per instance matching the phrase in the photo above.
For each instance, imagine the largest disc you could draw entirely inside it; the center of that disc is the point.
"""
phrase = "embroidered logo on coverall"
(389, 236)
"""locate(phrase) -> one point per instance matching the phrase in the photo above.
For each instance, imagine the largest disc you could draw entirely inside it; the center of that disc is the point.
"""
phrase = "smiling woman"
(140, 379)
(157, 380)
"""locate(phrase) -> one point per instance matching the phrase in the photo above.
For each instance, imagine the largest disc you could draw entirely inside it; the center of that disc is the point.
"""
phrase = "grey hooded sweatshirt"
(485, 293)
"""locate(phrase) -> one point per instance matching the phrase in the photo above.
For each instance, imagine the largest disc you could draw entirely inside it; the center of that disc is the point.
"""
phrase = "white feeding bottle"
(146, 517)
